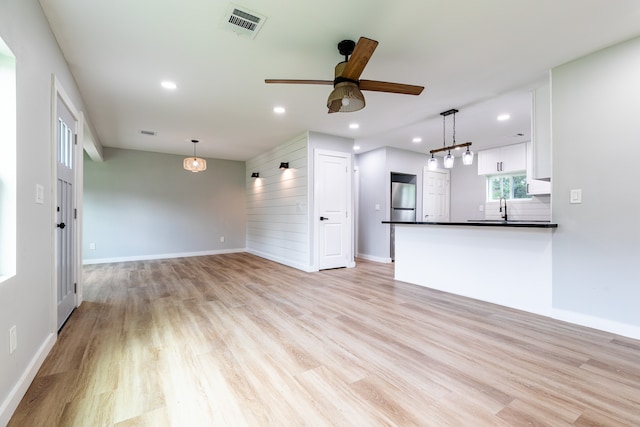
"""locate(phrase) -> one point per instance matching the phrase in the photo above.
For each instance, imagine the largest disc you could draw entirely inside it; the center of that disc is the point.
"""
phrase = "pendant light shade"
(467, 157)
(194, 164)
(432, 163)
(448, 160)
(345, 98)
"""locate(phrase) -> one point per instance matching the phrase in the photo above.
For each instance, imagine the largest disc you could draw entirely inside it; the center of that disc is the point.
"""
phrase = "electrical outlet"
(221, 239)
(13, 339)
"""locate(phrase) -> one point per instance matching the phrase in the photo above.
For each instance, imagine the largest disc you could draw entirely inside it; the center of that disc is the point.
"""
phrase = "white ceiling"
(480, 57)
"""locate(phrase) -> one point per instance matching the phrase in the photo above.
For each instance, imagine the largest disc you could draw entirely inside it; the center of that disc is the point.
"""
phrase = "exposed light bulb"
(345, 102)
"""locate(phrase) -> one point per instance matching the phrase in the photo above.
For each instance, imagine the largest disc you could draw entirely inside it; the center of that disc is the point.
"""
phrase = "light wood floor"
(235, 340)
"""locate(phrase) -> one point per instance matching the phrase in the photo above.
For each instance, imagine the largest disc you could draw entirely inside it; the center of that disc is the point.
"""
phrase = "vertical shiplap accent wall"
(277, 205)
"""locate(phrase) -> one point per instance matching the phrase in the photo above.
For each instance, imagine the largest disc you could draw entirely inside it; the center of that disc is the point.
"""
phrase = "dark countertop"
(484, 223)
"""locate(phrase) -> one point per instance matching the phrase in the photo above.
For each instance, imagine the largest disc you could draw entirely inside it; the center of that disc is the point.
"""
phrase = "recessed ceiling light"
(417, 139)
(168, 85)
(356, 147)
(279, 110)
(354, 126)
(503, 117)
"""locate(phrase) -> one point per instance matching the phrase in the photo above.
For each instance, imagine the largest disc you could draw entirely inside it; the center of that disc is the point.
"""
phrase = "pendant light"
(194, 164)
(432, 163)
(448, 160)
(467, 157)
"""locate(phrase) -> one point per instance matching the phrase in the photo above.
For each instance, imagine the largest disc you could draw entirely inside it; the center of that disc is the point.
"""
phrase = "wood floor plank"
(237, 340)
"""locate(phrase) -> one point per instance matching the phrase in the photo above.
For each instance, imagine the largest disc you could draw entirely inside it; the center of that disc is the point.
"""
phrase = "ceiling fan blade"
(377, 86)
(301, 82)
(359, 58)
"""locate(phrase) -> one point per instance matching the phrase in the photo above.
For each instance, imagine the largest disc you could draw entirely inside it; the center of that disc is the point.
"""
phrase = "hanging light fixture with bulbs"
(467, 156)
(194, 164)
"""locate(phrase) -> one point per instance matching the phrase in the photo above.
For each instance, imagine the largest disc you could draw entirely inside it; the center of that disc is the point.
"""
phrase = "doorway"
(333, 212)
(436, 195)
(67, 123)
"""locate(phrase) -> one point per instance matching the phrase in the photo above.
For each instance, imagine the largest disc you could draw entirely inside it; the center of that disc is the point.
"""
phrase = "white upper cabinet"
(507, 159)
(539, 150)
(541, 133)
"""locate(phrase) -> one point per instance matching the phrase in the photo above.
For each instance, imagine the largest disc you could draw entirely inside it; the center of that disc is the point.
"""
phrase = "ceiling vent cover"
(244, 22)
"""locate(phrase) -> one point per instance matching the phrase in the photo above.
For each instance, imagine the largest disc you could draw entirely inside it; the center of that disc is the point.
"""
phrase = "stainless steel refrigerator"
(403, 208)
(403, 202)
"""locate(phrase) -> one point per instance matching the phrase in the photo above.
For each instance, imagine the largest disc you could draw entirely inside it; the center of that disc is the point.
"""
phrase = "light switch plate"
(377, 207)
(576, 196)
(39, 194)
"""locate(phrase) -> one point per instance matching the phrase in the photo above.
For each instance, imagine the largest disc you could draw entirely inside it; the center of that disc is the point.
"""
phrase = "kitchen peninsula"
(502, 262)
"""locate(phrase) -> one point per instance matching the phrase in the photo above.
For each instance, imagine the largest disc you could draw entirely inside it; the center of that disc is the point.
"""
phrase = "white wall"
(468, 192)
(143, 205)
(596, 147)
(27, 300)
(278, 205)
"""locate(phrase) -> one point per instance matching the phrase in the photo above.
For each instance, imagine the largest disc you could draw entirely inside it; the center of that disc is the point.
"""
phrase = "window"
(7, 162)
(507, 186)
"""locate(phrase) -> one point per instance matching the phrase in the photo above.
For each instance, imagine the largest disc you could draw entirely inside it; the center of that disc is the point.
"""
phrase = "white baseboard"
(20, 389)
(375, 258)
(160, 256)
(279, 260)
(606, 325)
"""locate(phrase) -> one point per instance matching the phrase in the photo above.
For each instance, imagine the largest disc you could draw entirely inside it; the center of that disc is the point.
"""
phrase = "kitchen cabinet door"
(489, 161)
(507, 159)
(514, 158)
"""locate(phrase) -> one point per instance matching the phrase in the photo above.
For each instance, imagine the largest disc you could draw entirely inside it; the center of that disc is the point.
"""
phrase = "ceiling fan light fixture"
(346, 97)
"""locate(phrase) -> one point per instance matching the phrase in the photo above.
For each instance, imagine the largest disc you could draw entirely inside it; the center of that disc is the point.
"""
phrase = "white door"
(436, 195)
(333, 200)
(65, 224)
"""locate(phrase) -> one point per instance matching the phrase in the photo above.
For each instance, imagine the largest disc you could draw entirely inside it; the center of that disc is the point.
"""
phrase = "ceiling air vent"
(244, 22)
(148, 132)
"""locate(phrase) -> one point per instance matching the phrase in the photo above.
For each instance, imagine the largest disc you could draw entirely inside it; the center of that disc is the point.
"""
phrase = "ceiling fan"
(346, 95)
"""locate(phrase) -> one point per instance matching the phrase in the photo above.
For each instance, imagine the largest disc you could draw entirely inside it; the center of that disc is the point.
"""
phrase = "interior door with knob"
(333, 200)
(436, 195)
(65, 224)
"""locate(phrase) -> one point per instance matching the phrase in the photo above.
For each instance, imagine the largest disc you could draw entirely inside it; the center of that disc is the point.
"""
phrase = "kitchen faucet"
(505, 217)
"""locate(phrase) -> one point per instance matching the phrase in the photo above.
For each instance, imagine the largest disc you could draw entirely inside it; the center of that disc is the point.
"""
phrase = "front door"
(436, 190)
(65, 224)
(333, 197)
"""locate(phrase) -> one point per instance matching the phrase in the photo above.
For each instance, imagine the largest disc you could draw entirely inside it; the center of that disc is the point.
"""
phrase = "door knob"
(62, 225)
(323, 218)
